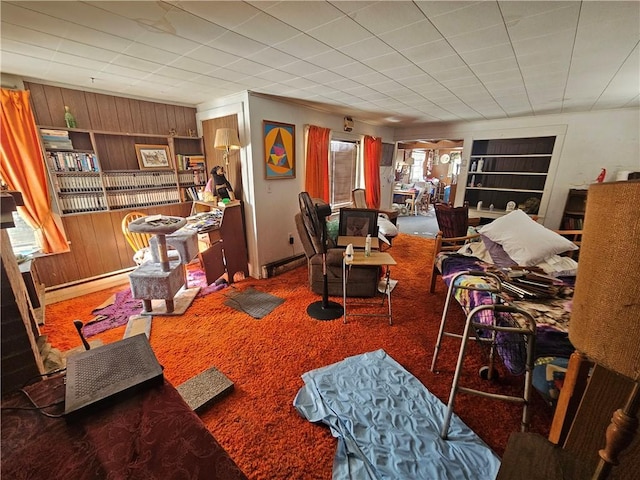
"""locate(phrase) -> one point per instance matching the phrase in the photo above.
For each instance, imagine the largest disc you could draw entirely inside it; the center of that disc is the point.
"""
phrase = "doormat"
(253, 302)
(204, 388)
(138, 324)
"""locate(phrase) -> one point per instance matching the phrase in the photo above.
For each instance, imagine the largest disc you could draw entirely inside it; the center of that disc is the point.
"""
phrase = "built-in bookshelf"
(509, 170)
(93, 171)
(573, 215)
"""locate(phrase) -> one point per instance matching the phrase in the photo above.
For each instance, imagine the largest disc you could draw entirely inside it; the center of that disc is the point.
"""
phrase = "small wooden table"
(357, 242)
(376, 259)
(409, 194)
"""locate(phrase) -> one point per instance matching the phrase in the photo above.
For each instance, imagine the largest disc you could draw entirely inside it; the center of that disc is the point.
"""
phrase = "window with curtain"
(343, 172)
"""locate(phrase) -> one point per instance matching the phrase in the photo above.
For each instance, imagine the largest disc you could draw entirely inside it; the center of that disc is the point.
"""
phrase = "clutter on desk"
(205, 221)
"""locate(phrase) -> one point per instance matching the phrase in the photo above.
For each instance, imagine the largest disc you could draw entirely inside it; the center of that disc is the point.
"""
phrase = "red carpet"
(265, 358)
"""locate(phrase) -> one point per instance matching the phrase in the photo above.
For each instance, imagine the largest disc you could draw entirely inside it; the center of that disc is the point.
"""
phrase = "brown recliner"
(363, 281)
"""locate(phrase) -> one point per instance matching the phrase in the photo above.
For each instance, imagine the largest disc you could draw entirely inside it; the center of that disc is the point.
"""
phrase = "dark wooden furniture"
(95, 167)
(504, 170)
(109, 126)
(19, 333)
(574, 208)
(224, 249)
(149, 434)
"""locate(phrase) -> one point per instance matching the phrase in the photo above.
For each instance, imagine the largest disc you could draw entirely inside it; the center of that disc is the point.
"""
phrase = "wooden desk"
(225, 249)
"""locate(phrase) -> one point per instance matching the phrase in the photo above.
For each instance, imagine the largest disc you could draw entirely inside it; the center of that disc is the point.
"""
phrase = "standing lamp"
(605, 319)
(227, 140)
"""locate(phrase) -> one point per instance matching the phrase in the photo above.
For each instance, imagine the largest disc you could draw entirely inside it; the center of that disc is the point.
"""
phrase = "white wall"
(270, 205)
(586, 142)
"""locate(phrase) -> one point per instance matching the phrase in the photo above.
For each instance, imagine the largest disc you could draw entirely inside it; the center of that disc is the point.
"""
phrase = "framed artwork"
(279, 150)
(358, 222)
(156, 157)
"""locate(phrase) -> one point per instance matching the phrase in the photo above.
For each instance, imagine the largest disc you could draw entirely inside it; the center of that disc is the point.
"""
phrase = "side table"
(376, 259)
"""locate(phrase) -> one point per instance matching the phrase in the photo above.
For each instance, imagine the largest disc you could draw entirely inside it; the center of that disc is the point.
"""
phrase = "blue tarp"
(387, 424)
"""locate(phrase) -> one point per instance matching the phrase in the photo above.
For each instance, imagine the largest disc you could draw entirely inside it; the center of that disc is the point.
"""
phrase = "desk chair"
(139, 242)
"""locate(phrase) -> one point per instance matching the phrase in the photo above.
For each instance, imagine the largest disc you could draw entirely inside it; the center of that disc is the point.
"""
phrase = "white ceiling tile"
(368, 48)
(304, 15)
(384, 17)
(340, 32)
(412, 35)
(382, 60)
(302, 46)
(488, 37)
(464, 16)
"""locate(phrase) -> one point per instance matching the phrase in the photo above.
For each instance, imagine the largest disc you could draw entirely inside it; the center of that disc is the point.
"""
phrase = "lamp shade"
(605, 319)
(226, 138)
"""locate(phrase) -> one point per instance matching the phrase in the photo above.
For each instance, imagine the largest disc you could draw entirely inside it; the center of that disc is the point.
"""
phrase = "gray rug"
(204, 388)
(252, 302)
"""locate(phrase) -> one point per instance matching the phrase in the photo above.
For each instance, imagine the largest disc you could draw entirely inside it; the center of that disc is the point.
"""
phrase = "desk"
(376, 259)
(224, 245)
(409, 194)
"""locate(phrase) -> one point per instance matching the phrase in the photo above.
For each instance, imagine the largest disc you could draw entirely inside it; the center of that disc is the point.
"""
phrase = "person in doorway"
(218, 184)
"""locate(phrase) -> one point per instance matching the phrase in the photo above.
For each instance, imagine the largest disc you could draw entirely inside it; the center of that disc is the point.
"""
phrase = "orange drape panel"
(22, 168)
(372, 156)
(316, 181)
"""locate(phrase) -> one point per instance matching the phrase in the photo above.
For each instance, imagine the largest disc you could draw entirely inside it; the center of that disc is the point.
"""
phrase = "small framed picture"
(358, 222)
(154, 157)
(279, 150)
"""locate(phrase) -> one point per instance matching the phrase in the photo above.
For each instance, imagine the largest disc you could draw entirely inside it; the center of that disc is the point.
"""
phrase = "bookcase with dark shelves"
(575, 206)
(508, 170)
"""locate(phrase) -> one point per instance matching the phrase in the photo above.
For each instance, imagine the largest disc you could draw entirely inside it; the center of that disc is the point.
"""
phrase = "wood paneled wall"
(97, 244)
(95, 111)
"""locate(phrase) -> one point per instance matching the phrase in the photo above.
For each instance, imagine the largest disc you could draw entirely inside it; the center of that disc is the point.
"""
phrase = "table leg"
(344, 290)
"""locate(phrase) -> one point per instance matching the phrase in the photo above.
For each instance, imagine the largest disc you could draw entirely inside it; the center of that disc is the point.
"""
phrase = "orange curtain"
(22, 168)
(316, 181)
(372, 156)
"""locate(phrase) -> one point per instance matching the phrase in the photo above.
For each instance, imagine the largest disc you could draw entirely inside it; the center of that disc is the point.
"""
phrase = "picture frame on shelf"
(279, 150)
(358, 222)
(153, 157)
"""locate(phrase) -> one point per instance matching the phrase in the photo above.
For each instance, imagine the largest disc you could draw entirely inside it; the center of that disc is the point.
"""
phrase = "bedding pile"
(387, 423)
(511, 246)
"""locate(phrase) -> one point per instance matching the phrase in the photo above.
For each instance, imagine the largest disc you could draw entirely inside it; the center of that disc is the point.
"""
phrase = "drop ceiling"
(387, 62)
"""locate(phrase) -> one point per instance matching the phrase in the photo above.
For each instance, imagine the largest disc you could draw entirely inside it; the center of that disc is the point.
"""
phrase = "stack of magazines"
(532, 285)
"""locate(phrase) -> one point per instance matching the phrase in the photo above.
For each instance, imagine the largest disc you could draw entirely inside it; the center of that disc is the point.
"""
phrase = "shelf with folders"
(82, 202)
(142, 198)
(138, 179)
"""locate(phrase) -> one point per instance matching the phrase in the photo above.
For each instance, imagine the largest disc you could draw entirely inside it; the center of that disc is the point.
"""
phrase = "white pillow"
(525, 241)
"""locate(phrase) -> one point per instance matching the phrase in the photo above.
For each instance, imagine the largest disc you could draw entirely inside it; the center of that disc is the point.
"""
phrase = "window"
(23, 240)
(343, 172)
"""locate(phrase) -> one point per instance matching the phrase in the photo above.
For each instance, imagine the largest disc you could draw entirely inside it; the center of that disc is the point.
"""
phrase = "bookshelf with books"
(93, 171)
(74, 170)
(573, 215)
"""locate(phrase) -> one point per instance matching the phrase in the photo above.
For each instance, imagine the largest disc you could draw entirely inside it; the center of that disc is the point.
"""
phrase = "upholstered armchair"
(363, 281)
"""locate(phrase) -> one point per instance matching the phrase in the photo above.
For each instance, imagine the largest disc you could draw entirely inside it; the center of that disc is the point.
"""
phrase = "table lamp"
(226, 139)
(605, 319)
